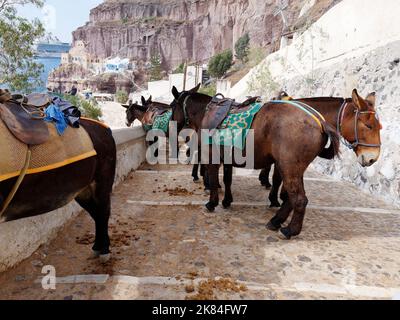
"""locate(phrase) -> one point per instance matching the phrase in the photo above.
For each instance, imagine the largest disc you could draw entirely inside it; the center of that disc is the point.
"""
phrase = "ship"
(51, 47)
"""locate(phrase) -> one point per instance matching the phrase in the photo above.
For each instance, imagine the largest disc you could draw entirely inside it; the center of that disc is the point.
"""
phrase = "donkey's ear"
(127, 106)
(371, 99)
(356, 99)
(175, 92)
(143, 101)
(360, 103)
(195, 89)
(150, 99)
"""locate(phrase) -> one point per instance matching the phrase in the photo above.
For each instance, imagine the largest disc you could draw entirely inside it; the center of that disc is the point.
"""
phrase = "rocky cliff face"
(187, 29)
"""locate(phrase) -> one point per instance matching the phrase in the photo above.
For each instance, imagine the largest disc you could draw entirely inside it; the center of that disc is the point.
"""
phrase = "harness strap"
(185, 111)
(341, 115)
(318, 118)
(21, 177)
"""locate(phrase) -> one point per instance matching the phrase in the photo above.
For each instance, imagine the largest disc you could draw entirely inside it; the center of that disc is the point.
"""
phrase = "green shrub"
(122, 96)
(210, 90)
(256, 56)
(262, 83)
(155, 67)
(180, 69)
(242, 48)
(89, 108)
(220, 64)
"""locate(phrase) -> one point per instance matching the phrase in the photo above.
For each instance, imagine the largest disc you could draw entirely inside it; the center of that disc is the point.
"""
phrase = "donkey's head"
(178, 105)
(134, 111)
(359, 124)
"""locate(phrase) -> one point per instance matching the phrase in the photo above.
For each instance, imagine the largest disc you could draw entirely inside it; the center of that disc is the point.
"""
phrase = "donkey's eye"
(368, 126)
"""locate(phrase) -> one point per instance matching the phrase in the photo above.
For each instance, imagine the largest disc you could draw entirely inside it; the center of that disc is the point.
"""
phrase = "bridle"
(185, 115)
(358, 113)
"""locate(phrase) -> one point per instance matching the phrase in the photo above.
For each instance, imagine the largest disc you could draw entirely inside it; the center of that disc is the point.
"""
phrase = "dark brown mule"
(283, 135)
(144, 114)
(88, 181)
(357, 123)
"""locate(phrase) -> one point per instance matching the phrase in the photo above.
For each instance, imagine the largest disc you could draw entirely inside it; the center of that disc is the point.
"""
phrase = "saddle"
(23, 116)
(153, 112)
(219, 108)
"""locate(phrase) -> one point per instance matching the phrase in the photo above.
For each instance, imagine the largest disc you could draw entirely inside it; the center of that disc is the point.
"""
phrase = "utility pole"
(185, 75)
(281, 5)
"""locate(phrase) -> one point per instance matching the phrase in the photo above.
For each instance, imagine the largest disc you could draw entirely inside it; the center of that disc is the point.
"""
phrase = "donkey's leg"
(212, 171)
(273, 195)
(281, 216)
(228, 170)
(283, 213)
(264, 176)
(195, 172)
(297, 197)
(206, 179)
(98, 203)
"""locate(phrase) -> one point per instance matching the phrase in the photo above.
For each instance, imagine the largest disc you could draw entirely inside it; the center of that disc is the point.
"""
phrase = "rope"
(18, 183)
(308, 110)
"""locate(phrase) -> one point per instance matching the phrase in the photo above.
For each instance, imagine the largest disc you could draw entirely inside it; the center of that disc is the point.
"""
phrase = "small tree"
(19, 71)
(89, 108)
(242, 48)
(179, 69)
(220, 64)
(155, 67)
(262, 83)
(122, 96)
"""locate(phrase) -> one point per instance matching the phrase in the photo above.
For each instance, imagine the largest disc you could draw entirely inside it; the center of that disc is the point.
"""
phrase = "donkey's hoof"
(226, 203)
(104, 258)
(271, 226)
(94, 255)
(267, 186)
(196, 180)
(210, 207)
(284, 234)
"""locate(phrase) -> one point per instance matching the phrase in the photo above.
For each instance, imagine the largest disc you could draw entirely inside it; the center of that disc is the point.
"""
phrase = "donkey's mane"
(161, 105)
(324, 99)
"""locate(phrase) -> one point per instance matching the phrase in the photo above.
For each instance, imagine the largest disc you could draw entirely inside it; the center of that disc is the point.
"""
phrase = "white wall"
(20, 239)
(349, 29)
(161, 90)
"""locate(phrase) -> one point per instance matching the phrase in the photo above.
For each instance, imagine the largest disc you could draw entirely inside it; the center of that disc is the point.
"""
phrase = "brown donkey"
(145, 113)
(283, 135)
(356, 121)
(88, 181)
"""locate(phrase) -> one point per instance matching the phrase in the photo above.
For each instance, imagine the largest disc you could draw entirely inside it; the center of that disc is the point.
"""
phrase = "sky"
(61, 17)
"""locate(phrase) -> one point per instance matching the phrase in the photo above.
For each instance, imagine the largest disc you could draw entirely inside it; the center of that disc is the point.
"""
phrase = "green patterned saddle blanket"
(235, 128)
(160, 122)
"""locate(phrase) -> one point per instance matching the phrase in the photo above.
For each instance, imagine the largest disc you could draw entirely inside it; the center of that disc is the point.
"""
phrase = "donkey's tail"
(334, 149)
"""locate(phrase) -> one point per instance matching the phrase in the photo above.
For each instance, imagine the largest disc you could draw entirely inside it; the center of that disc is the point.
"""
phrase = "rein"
(358, 113)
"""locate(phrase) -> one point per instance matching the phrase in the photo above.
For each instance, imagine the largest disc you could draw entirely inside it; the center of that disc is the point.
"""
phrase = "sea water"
(49, 64)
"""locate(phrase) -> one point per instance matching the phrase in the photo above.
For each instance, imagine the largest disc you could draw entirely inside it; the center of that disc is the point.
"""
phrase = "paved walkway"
(166, 246)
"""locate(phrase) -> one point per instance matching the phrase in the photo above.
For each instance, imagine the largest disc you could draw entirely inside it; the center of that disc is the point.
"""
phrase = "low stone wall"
(20, 239)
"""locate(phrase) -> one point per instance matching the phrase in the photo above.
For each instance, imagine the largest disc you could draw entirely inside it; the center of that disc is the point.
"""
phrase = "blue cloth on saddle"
(55, 115)
(235, 128)
(71, 113)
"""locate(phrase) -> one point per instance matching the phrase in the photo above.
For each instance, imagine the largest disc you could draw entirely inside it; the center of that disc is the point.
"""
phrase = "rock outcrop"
(62, 79)
(191, 30)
